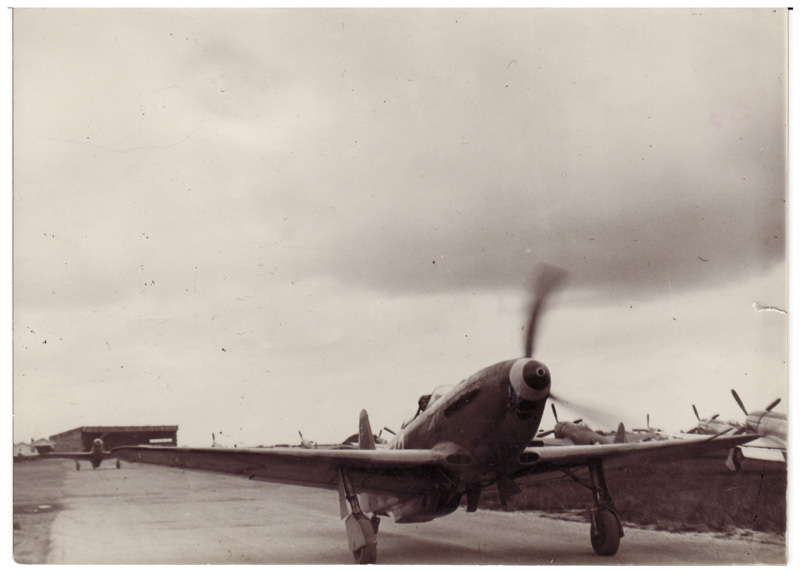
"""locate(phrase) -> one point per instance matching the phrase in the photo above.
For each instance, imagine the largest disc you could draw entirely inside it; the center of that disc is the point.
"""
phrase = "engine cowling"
(530, 379)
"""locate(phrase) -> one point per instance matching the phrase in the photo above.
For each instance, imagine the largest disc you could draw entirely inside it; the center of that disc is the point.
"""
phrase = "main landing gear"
(362, 532)
(734, 461)
(606, 530)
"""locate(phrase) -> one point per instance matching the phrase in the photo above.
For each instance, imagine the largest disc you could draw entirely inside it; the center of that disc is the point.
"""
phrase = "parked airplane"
(646, 434)
(649, 429)
(576, 433)
(771, 427)
(462, 440)
(711, 425)
(95, 456)
(308, 444)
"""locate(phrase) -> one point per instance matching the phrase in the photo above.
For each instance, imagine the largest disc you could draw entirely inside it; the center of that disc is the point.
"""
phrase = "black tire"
(77, 466)
(605, 533)
(368, 554)
(118, 464)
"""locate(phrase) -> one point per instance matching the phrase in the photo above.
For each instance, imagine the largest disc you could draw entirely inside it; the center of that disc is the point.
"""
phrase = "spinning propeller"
(549, 278)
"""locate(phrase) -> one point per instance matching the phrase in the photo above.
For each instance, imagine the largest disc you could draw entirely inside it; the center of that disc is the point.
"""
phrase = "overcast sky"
(259, 222)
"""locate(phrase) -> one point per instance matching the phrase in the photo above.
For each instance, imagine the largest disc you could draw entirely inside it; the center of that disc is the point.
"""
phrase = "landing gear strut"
(361, 531)
(606, 528)
(734, 461)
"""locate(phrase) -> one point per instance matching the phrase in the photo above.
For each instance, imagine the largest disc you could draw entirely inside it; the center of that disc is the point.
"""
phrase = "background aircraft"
(712, 425)
(577, 433)
(95, 456)
(648, 433)
(771, 427)
(461, 440)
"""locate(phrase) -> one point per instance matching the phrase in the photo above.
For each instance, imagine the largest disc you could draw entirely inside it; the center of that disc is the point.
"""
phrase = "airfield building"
(24, 450)
(80, 439)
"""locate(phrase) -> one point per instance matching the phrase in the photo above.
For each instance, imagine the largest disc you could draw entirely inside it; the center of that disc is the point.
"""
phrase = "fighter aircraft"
(647, 434)
(576, 433)
(462, 439)
(771, 427)
(95, 456)
(711, 426)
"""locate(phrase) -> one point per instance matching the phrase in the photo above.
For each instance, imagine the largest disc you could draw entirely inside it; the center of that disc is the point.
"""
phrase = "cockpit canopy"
(426, 400)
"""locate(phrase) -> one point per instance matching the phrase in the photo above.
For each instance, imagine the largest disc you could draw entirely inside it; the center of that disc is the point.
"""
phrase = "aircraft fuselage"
(712, 426)
(765, 423)
(484, 423)
(579, 435)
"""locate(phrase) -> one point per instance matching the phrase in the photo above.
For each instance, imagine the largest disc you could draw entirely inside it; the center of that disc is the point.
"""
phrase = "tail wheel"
(368, 554)
(605, 532)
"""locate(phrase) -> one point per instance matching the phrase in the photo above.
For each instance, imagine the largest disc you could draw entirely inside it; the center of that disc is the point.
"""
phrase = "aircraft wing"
(396, 472)
(74, 455)
(546, 459)
(400, 472)
(767, 443)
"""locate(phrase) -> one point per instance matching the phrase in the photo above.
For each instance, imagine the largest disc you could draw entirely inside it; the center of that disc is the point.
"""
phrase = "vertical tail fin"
(365, 439)
(621, 436)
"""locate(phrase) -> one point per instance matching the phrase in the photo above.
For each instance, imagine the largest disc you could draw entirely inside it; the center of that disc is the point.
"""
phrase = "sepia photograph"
(445, 286)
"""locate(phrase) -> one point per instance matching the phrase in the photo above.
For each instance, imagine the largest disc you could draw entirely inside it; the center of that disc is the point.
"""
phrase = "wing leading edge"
(81, 456)
(396, 472)
(537, 460)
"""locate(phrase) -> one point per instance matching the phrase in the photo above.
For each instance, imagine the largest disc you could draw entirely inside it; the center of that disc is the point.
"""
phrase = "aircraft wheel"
(77, 465)
(118, 464)
(368, 554)
(605, 533)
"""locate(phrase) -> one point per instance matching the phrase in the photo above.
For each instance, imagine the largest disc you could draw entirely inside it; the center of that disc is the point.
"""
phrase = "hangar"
(80, 439)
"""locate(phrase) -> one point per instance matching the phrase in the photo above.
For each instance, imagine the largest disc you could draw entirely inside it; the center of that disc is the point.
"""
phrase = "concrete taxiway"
(157, 515)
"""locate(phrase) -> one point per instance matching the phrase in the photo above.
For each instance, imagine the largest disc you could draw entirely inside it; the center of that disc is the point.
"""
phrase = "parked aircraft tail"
(621, 437)
(366, 441)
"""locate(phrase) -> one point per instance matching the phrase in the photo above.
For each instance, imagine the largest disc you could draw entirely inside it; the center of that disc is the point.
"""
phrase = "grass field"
(691, 495)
